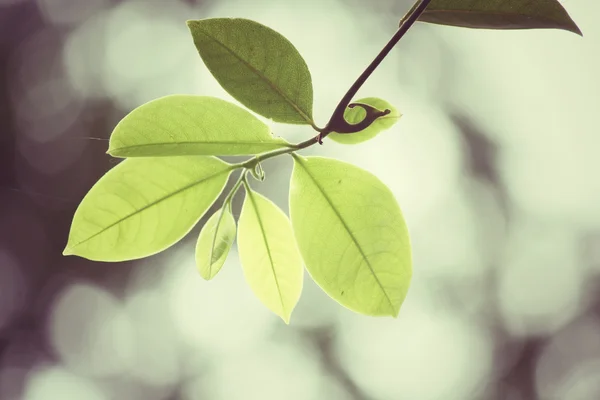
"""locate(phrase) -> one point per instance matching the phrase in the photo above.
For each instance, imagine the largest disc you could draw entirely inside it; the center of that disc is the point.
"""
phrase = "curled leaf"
(258, 172)
(355, 115)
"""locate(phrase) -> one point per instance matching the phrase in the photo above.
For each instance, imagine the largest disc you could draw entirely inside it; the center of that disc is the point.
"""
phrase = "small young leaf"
(257, 66)
(270, 258)
(179, 125)
(351, 234)
(500, 14)
(214, 243)
(144, 205)
(357, 114)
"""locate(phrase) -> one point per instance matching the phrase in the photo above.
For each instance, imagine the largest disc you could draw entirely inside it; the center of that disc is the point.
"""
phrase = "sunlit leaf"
(357, 114)
(500, 14)
(351, 234)
(214, 243)
(270, 258)
(257, 66)
(144, 205)
(191, 125)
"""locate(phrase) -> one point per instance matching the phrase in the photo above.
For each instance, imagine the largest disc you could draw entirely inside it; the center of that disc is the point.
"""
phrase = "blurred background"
(494, 163)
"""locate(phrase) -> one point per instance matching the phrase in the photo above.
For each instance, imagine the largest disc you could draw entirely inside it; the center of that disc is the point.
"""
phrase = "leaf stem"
(233, 191)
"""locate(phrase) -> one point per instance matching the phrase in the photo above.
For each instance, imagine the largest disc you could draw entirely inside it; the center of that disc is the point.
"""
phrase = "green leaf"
(180, 125)
(351, 234)
(214, 243)
(144, 205)
(357, 114)
(500, 14)
(257, 66)
(270, 258)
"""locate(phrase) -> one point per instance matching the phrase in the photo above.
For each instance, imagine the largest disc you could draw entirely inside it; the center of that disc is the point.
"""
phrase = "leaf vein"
(264, 236)
(262, 77)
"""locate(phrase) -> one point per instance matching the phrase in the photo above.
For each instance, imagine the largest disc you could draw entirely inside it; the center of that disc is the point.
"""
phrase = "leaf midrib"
(304, 116)
(493, 13)
(264, 236)
(347, 228)
(152, 204)
(221, 142)
(212, 260)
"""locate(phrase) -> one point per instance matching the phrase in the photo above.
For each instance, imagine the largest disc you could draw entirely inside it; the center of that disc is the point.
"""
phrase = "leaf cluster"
(344, 226)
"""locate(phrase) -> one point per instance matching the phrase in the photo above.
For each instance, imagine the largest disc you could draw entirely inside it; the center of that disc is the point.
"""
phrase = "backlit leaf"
(500, 14)
(357, 114)
(214, 243)
(179, 125)
(351, 234)
(144, 205)
(257, 66)
(269, 255)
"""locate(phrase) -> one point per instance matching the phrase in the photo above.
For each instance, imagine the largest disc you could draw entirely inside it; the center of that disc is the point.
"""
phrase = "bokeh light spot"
(540, 286)
(220, 317)
(421, 355)
(58, 383)
(90, 331)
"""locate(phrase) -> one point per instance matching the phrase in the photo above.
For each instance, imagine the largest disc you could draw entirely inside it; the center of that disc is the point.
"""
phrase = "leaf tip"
(204, 275)
(204, 271)
(113, 150)
(572, 27)
(192, 25)
(68, 251)
(117, 153)
(285, 314)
